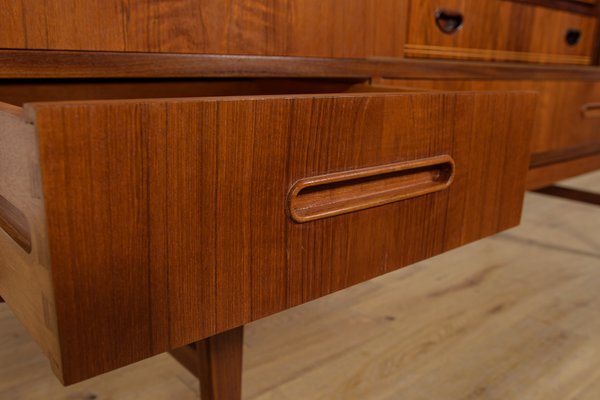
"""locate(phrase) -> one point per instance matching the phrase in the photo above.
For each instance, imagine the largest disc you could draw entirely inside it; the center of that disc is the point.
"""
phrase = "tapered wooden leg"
(220, 364)
(217, 362)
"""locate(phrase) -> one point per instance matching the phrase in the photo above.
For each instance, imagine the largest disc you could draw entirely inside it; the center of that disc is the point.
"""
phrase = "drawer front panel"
(169, 220)
(317, 28)
(499, 31)
(567, 115)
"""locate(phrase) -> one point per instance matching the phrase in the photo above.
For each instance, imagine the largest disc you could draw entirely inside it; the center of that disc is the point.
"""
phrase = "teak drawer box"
(131, 227)
(498, 30)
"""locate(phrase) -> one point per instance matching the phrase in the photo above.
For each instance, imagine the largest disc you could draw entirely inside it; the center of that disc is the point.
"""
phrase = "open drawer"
(131, 227)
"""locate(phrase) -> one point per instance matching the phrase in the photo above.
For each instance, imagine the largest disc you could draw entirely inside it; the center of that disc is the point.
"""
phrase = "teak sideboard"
(173, 170)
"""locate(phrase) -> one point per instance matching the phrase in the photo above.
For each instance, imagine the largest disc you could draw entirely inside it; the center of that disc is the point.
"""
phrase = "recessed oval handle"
(449, 22)
(339, 193)
(572, 36)
(590, 110)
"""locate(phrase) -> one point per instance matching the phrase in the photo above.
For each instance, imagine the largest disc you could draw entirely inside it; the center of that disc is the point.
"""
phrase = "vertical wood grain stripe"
(167, 218)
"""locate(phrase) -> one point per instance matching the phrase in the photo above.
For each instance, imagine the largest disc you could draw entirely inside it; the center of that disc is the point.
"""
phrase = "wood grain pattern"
(343, 192)
(502, 316)
(552, 173)
(585, 7)
(220, 365)
(559, 122)
(25, 276)
(167, 223)
(315, 28)
(500, 31)
(25, 64)
(564, 154)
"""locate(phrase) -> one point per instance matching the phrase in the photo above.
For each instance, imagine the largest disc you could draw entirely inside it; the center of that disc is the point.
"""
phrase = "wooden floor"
(515, 316)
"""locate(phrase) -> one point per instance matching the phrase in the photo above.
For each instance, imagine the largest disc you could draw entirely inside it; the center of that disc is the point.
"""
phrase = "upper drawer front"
(172, 220)
(317, 28)
(500, 31)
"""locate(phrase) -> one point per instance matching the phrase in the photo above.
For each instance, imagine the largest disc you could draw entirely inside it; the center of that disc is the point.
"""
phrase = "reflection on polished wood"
(510, 317)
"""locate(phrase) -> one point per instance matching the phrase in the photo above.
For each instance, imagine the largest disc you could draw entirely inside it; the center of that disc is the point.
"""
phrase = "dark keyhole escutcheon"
(449, 22)
(572, 36)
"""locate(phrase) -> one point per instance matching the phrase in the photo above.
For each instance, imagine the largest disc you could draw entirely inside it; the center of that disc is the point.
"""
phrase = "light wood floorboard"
(514, 316)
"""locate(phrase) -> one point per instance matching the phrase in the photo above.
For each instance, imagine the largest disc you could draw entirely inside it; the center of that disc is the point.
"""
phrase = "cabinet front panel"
(317, 28)
(498, 30)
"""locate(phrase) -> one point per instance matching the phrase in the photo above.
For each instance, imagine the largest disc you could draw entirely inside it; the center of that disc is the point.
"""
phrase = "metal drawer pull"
(344, 192)
(14, 223)
(449, 22)
(590, 110)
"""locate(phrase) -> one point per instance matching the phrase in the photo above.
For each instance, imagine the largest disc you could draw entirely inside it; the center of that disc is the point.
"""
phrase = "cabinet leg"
(217, 362)
(220, 365)
(571, 194)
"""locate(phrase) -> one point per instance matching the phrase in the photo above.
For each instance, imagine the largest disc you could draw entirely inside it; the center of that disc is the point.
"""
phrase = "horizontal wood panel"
(500, 31)
(564, 154)
(585, 7)
(317, 28)
(29, 64)
(167, 219)
(559, 121)
(552, 173)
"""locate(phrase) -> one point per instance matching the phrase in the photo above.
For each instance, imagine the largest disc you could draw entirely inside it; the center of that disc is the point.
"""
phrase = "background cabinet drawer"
(164, 221)
(500, 31)
(566, 122)
(567, 115)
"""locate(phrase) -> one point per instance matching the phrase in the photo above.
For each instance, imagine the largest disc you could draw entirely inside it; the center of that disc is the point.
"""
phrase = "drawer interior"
(17, 92)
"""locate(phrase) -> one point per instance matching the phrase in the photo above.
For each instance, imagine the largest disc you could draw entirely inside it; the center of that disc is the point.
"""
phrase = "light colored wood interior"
(25, 279)
(515, 316)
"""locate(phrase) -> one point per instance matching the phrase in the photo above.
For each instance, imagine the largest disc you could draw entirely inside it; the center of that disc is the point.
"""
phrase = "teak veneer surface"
(559, 119)
(502, 318)
(548, 174)
(585, 7)
(497, 30)
(167, 218)
(317, 28)
(36, 64)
